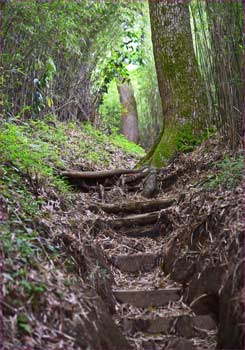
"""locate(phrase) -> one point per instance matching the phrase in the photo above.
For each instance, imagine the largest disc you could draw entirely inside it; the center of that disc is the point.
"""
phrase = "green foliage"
(129, 147)
(137, 58)
(23, 323)
(18, 238)
(230, 173)
(17, 149)
(128, 49)
(217, 29)
(111, 109)
(39, 148)
(32, 149)
(105, 144)
(41, 85)
(149, 108)
(31, 152)
(186, 140)
(58, 37)
(31, 288)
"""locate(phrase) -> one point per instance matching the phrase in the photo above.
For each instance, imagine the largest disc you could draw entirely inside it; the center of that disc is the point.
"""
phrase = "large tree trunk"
(182, 91)
(129, 119)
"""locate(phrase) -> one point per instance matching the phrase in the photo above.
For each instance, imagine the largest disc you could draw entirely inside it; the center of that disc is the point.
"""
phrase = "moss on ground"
(32, 154)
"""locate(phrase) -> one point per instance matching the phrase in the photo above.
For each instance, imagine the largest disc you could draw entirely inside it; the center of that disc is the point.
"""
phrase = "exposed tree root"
(141, 219)
(135, 207)
(97, 175)
(135, 178)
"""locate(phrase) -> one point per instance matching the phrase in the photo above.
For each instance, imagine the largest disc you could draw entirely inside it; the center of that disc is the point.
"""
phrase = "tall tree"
(129, 118)
(181, 88)
(116, 67)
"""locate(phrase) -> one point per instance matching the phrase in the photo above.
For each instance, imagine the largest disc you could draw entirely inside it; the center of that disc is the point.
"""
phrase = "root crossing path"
(150, 307)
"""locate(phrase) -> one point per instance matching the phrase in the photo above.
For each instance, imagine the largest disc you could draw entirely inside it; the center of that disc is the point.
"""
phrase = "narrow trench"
(150, 307)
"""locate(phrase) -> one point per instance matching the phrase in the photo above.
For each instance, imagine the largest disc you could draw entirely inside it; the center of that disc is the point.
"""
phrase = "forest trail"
(99, 254)
(134, 233)
(150, 307)
(131, 259)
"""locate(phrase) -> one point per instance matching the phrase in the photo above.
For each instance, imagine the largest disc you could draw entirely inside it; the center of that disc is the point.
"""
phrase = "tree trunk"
(181, 88)
(129, 119)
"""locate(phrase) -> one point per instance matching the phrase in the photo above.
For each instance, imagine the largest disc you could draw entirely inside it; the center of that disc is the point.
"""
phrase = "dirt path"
(173, 251)
(171, 245)
(150, 308)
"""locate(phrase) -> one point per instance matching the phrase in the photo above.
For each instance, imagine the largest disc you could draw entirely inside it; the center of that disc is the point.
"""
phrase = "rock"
(136, 262)
(146, 298)
(150, 184)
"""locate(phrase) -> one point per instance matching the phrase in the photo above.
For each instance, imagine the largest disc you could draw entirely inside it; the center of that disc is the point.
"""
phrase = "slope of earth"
(193, 247)
(55, 296)
(98, 265)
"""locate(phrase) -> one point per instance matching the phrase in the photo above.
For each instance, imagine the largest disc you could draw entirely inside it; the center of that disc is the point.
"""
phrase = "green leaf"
(51, 65)
(25, 327)
(49, 101)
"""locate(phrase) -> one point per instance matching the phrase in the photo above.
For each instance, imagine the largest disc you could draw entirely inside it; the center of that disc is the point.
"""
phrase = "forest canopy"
(63, 57)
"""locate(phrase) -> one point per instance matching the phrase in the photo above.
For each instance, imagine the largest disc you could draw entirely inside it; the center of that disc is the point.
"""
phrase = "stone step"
(136, 262)
(184, 325)
(146, 298)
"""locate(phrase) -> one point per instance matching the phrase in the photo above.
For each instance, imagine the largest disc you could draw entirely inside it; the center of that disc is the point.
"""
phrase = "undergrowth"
(32, 155)
(230, 173)
(187, 141)
(108, 143)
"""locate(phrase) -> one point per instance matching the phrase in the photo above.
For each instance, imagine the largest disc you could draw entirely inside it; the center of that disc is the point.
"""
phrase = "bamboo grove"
(218, 39)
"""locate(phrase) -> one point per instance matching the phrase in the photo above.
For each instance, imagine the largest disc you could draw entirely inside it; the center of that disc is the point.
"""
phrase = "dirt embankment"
(199, 248)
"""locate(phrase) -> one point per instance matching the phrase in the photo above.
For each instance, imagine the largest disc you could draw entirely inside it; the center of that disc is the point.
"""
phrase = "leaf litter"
(204, 227)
